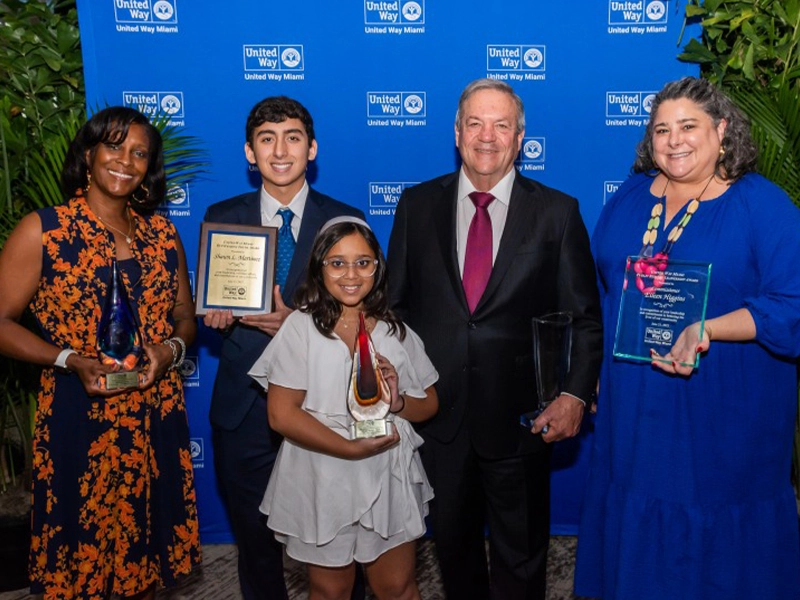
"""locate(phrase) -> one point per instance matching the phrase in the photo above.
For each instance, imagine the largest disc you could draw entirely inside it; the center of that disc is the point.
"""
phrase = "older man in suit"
(473, 257)
(280, 142)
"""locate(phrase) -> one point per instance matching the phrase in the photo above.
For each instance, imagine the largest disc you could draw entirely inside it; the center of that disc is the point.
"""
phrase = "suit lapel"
(445, 224)
(250, 213)
(313, 218)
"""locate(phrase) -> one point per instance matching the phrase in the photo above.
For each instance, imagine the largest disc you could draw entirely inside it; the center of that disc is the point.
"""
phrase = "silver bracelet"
(61, 359)
(177, 356)
(174, 348)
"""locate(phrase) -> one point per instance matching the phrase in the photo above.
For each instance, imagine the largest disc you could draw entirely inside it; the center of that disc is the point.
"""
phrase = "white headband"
(344, 219)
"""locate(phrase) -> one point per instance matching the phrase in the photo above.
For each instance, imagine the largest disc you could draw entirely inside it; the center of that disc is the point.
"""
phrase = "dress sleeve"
(775, 240)
(285, 360)
(415, 371)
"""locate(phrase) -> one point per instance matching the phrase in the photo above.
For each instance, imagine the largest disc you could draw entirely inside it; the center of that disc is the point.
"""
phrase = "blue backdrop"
(382, 79)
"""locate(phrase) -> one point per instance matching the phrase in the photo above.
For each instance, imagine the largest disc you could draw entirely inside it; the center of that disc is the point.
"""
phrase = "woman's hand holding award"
(368, 398)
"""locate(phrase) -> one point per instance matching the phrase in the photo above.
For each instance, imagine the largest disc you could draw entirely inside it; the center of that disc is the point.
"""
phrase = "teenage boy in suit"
(280, 143)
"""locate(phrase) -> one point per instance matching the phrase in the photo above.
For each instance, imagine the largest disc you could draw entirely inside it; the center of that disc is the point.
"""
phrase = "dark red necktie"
(478, 256)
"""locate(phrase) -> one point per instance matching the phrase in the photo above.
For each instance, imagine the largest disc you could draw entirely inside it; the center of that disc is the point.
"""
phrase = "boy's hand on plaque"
(218, 319)
(270, 322)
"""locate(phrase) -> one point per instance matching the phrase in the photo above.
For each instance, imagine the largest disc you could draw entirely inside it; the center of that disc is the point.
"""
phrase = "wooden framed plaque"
(236, 268)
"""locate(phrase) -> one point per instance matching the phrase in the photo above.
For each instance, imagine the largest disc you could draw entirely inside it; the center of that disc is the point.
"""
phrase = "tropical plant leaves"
(751, 49)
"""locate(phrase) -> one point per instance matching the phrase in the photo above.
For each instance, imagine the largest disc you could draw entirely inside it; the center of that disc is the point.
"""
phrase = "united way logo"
(178, 197)
(190, 372)
(176, 202)
(397, 12)
(386, 194)
(396, 104)
(532, 149)
(629, 104)
(273, 57)
(500, 57)
(531, 155)
(609, 189)
(197, 450)
(643, 12)
(160, 12)
(156, 103)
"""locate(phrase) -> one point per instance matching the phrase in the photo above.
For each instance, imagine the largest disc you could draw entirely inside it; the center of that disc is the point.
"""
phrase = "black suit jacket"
(234, 390)
(484, 359)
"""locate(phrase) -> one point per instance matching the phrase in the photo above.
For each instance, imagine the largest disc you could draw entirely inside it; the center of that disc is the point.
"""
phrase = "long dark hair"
(313, 297)
(740, 154)
(112, 125)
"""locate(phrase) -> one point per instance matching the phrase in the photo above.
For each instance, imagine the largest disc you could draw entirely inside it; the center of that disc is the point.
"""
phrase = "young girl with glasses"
(333, 500)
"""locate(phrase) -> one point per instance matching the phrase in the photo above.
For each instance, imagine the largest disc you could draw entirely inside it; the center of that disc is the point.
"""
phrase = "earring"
(721, 151)
(88, 180)
(143, 198)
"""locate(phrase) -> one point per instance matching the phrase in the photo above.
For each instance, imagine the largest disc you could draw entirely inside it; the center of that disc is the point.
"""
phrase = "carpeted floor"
(217, 580)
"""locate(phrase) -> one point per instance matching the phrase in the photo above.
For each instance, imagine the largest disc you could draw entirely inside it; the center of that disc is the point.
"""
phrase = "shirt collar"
(501, 191)
(270, 206)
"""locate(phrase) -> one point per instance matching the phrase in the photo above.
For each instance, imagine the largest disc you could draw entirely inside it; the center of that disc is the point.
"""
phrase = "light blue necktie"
(286, 246)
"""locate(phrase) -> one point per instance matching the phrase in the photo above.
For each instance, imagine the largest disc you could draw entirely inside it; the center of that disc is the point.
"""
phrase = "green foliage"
(751, 49)
(42, 101)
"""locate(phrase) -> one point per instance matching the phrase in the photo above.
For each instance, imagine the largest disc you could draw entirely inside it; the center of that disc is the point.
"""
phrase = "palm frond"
(184, 157)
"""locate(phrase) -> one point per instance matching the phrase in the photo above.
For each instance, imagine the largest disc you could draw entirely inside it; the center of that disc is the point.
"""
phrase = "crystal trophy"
(368, 398)
(660, 298)
(552, 346)
(118, 339)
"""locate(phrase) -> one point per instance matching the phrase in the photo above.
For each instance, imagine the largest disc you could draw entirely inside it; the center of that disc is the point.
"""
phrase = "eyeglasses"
(336, 268)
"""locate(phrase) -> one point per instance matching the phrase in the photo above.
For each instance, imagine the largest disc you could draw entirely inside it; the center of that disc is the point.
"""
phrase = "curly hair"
(111, 125)
(740, 155)
(314, 298)
(277, 109)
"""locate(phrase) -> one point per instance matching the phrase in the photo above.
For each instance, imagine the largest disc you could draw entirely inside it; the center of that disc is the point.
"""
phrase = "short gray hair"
(491, 84)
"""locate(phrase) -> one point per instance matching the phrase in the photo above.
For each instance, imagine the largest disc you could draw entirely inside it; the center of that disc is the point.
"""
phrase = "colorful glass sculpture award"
(118, 339)
(368, 398)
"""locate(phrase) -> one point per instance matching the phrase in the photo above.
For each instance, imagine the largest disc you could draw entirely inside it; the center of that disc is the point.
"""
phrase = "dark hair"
(740, 155)
(491, 84)
(314, 298)
(277, 109)
(112, 125)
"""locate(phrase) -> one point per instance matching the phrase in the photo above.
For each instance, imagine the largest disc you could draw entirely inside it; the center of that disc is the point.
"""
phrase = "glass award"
(552, 347)
(118, 340)
(368, 397)
(660, 298)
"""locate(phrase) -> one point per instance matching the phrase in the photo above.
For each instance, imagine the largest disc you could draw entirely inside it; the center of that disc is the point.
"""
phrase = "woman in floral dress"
(113, 495)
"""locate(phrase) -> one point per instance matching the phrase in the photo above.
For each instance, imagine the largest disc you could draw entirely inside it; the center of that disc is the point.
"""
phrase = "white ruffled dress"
(330, 511)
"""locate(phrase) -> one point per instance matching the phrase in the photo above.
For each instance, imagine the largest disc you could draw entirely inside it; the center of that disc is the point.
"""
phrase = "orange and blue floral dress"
(113, 494)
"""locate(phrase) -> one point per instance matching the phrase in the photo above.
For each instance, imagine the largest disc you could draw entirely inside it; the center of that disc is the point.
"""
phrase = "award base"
(122, 380)
(369, 429)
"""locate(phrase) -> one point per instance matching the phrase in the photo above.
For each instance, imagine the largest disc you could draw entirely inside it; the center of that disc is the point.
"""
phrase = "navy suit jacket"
(234, 390)
(485, 359)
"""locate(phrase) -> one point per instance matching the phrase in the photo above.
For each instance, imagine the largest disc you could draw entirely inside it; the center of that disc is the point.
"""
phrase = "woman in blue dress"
(689, 493)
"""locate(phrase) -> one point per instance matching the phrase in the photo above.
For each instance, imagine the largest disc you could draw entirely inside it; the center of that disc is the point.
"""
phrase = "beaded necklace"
(654, 266)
